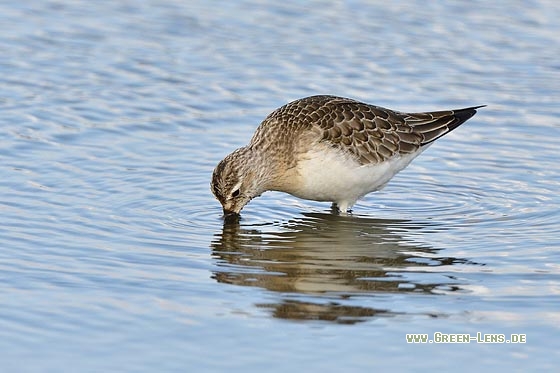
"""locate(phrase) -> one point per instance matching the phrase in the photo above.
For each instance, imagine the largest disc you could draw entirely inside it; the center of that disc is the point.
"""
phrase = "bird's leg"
(334, 209)
(337, 210)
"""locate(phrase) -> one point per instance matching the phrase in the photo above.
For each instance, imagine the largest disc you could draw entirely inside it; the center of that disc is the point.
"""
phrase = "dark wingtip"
(462, 115)
(474, 107)
(468, 112)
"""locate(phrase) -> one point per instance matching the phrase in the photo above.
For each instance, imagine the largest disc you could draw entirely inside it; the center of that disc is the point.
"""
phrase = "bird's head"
(235, 181)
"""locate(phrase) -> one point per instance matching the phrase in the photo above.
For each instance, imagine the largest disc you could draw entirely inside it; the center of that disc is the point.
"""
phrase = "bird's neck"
(269, 171)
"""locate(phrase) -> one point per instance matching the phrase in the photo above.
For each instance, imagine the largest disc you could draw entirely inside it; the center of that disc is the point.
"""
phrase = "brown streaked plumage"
(328, 148)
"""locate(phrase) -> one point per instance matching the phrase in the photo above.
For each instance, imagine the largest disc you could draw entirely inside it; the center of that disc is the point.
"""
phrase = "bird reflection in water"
(330, 259)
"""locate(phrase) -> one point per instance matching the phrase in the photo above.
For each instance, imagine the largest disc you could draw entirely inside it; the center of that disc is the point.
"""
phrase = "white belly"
(327, 174)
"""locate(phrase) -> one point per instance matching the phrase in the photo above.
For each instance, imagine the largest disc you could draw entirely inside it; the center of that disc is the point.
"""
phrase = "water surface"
(115, 256)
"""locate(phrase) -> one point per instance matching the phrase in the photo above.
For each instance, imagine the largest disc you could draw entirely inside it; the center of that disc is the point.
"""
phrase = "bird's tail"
(433, 125)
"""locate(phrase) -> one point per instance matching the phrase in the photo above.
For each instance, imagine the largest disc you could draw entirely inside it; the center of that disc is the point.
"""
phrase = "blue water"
(113, 252)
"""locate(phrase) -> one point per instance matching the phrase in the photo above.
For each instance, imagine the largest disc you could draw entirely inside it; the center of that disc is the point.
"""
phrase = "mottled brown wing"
(370, 133)
(374, 134)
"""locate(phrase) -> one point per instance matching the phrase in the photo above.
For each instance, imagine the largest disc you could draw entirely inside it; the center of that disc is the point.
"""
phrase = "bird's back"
(370, 134)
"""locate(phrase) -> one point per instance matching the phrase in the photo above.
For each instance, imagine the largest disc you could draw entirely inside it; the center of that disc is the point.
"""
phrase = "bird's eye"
(235, 193)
